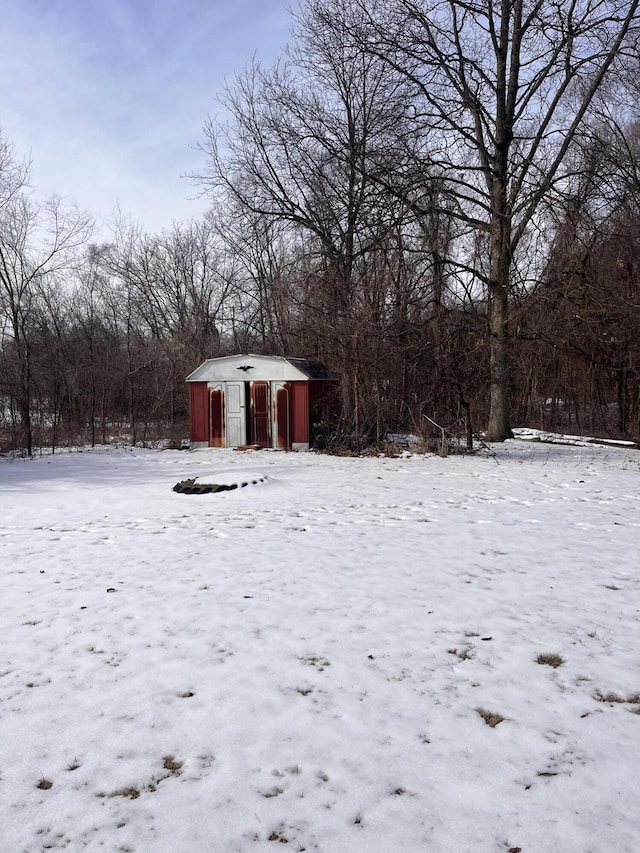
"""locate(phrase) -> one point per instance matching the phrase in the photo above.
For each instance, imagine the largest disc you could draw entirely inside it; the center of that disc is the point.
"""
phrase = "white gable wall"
(262, 368)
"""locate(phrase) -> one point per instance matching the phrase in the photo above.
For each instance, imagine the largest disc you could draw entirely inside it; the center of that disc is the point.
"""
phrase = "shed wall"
(299, 413)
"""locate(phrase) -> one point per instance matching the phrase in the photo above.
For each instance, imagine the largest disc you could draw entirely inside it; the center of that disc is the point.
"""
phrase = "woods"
(440, 200)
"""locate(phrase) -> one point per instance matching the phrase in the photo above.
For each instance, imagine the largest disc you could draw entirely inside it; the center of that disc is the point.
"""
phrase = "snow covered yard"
(348, 656)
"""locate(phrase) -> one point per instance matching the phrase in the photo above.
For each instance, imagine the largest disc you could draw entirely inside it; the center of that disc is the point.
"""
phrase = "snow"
(303, 660)
(528, 434)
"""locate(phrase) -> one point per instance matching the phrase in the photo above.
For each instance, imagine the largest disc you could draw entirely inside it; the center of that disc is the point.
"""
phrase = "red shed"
(269, 401)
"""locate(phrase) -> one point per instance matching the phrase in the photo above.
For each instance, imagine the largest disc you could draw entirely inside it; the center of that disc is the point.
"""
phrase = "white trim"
(262, 368)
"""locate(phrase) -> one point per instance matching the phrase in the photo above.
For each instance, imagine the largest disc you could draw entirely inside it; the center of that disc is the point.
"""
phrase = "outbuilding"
(267, 401)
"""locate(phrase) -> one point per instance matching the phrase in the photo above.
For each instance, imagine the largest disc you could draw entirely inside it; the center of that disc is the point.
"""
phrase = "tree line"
(438, 199)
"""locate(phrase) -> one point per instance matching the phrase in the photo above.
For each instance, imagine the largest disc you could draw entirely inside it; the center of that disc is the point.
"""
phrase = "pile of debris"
(193, 487)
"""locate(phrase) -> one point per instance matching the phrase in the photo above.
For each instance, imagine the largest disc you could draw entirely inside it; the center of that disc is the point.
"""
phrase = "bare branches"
(504, 89)
(37, 242)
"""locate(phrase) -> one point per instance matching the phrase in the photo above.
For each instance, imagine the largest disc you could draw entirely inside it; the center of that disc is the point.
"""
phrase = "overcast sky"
(110, 96)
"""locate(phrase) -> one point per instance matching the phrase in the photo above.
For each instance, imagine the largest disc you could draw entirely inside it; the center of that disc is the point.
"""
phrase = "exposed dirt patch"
(631, 699)
(550, 660)
(490, 717)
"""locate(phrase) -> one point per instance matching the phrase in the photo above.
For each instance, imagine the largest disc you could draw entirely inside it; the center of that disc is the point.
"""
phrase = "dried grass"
(490, 717)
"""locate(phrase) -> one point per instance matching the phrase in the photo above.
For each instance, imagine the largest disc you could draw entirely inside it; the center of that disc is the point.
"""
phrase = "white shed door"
(236, 415)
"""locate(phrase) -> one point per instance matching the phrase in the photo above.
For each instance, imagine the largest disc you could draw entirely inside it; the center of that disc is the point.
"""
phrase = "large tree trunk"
(498, 428)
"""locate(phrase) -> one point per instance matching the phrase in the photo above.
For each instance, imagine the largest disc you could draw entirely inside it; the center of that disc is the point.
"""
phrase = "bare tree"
(37, 242)
(303, 139)
(501, 92)
(577, 334)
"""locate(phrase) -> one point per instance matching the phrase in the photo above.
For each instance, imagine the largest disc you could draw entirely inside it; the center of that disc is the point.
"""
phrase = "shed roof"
(247, 367)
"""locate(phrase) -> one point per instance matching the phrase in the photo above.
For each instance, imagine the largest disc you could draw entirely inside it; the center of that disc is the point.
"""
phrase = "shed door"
(281, 416)
(260, 414)
(236, 414)
(198, 414)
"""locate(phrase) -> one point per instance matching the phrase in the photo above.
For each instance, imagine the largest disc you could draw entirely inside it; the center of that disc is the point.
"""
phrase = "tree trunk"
(25, 401)
(499, 427)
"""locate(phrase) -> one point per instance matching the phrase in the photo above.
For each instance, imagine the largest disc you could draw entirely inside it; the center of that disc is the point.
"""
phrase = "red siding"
(299, 412)
(260, 414)
(198, 412)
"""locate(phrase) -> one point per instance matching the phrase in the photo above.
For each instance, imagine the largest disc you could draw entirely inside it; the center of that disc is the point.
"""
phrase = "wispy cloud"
(110, 97)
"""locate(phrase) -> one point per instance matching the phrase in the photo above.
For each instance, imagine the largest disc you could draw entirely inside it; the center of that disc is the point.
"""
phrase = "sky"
(109, 98)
